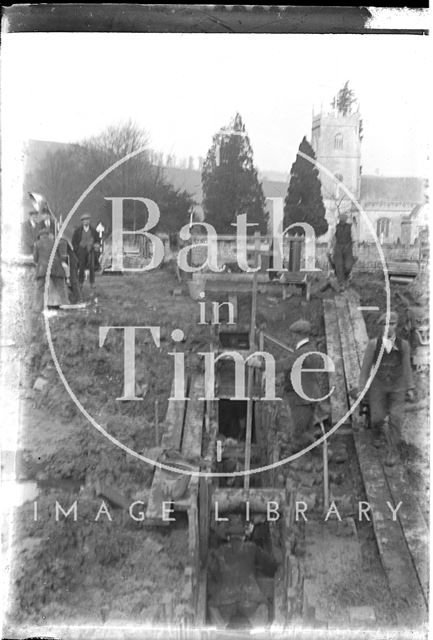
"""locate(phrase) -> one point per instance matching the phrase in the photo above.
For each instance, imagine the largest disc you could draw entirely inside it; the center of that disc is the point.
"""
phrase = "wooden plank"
(403, 268)
(211, 427)
(194, 416)
(412, 522)
(200, 618)
(339, 405)
(231, 499)
(410, 516)
(358, 324)
(410, 605)
(232, 277)
(173, 423)
(350, 355)
(204, 494)
(396, 559)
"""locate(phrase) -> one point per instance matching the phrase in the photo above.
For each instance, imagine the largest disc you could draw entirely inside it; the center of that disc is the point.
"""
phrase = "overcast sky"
(183, 87)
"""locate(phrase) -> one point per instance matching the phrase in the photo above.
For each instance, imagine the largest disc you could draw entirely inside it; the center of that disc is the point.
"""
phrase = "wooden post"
(261, 348)
(156, 423)
(248, 434)
(325, 470)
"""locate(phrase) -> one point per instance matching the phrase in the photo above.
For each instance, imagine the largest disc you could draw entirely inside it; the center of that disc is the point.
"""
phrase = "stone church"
(394, 206)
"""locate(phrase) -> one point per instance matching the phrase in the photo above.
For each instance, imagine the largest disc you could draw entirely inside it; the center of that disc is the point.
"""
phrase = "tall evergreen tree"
(230, 182)
(304, 202)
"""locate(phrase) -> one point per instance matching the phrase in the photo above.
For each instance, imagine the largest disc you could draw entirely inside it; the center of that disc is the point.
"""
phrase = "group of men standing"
(81, 254)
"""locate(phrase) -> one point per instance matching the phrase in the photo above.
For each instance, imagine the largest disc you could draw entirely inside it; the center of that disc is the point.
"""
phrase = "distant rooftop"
(391, 189)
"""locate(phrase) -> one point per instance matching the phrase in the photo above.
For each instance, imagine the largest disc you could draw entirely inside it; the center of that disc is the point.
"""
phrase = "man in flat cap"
(302, 407)
(392, 383)
(85, 242)
(341, 250)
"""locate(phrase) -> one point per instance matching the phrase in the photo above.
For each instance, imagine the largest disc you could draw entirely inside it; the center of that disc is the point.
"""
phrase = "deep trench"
(232, 416)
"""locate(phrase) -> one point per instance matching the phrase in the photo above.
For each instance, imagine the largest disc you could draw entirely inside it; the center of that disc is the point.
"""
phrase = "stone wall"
(368, 254)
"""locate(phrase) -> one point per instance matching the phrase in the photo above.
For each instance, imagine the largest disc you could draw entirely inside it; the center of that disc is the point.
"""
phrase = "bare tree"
(64, 175)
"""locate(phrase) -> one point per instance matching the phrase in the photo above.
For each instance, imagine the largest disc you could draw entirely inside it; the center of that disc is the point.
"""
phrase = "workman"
(29, 232)
(392, 383)
(85, 241)
(302, 407)
(341, 250)
(233, 570)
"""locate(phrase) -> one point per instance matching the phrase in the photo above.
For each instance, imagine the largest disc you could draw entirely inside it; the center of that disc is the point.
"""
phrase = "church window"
(382, 228)
(338, 141)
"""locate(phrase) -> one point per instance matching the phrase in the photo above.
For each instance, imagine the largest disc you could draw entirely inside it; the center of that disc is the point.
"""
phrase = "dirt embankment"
(87, 571)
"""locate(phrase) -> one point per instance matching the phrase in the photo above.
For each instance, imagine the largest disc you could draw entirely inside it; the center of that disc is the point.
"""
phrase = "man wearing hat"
(301, 408)
(47, 221)
(30, 230)
(233, 568)
(342, 250)
(85, 242)
(392, 382)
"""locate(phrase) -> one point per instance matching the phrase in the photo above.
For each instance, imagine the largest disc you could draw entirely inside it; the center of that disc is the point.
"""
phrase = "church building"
(392, 204)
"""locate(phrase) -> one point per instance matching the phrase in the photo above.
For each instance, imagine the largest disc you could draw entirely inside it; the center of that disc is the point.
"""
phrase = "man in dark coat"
(69, 256)
(301, 409)
(233, 570)
(392, 383)
(57, 294)
(85, 242)
(30, 230)
(342, 250)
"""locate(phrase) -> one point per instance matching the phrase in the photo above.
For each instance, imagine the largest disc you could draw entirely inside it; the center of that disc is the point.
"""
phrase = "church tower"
(336, 140)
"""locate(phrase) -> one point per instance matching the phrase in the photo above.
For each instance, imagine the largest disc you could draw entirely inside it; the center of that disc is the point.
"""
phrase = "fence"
(368, 255)
(293, 251)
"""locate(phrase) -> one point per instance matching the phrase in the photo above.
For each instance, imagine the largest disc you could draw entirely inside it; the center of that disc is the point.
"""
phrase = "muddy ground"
(107, 571)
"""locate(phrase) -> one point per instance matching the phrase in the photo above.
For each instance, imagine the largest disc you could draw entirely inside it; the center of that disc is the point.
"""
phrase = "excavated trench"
(327, 571)
(264, 536)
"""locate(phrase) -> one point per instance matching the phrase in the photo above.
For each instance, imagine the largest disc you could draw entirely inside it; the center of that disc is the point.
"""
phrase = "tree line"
(230, 181)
